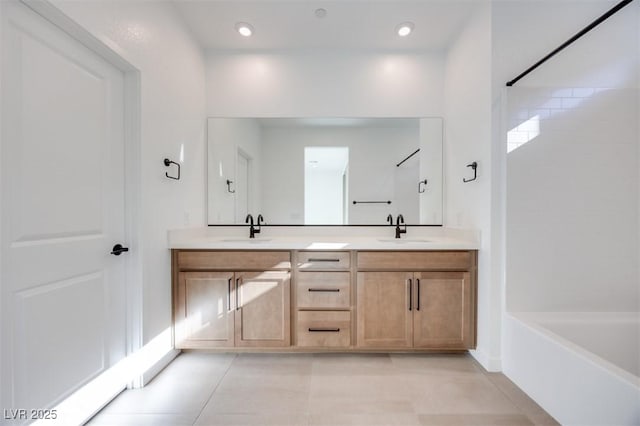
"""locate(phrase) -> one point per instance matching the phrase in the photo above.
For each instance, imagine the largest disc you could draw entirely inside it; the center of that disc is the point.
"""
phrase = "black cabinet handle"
(418, 294)
(237, 294)
(410, 293)
(323, 260)
(322, 330)
(331, 290)
(117, 250)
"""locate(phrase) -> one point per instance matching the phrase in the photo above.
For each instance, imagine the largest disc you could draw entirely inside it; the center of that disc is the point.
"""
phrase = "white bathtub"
(582, 368)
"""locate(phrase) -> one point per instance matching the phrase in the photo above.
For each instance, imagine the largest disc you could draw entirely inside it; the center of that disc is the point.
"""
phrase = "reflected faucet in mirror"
(400, 221)
(390, 219)
(253, 230)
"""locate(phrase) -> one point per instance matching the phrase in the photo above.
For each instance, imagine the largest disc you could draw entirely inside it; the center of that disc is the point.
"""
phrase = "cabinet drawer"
(233, 260)
(323, 260)
(415, 261)
(324, 328)
(324, 290)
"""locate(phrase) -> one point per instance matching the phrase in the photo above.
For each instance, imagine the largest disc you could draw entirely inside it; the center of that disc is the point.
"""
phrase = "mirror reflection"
(325, 171)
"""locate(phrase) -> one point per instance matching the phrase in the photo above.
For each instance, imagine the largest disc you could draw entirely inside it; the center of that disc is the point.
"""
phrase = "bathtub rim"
(533, 320)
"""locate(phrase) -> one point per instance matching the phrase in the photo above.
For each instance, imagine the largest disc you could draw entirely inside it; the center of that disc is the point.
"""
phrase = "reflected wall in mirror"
(325, 171)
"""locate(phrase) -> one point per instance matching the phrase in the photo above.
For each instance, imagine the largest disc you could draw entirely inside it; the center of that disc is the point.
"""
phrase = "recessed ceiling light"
(404, 29)
(321, 13)
(244, 29)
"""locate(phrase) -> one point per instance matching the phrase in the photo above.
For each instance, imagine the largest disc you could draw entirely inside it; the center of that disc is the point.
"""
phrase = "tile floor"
(201, 388)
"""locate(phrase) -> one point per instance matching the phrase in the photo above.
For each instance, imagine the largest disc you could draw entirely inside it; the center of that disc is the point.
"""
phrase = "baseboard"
(160, 365)
(491, 364)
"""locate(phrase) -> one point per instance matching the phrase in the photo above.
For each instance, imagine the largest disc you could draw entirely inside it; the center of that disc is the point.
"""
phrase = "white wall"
(572, 201)
(467, 94)
(151, 37)
(225, 137)
(319, 83)
(431, 168)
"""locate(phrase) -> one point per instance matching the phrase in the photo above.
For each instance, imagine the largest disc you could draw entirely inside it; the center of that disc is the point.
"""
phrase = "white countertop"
(323, 238)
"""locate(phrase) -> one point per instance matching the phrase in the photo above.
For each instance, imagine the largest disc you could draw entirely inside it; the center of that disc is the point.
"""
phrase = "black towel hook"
(420, 188)
(168, 163)
(474, 166)
(229, 182)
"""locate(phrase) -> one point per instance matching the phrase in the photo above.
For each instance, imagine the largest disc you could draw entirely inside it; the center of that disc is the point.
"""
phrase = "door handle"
(229, 295)
(410, 293)
(418, 294)
(117, 250)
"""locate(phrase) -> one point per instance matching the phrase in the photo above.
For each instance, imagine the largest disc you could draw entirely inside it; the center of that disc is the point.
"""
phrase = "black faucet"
(399, 221)
(390, 220)
(252, 229)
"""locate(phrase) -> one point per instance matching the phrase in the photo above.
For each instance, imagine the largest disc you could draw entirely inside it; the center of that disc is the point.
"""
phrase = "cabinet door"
(204, 315)
(384, 310)
(443, 315)
(262, 315)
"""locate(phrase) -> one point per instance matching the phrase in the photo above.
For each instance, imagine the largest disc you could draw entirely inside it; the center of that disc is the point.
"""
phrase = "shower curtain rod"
(409, 156)
(582, 32)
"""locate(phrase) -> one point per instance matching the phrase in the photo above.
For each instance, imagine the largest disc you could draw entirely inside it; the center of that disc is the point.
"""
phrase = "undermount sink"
(403, 241)
(247, 240)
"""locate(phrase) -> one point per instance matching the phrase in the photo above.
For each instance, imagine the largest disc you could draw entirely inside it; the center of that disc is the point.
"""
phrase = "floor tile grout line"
(511, 399)
(487, 375)
(235, 356)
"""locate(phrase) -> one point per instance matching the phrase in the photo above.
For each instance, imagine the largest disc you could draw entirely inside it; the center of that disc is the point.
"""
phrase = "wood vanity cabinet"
(328, 300)
(214, 307)
(398, 307)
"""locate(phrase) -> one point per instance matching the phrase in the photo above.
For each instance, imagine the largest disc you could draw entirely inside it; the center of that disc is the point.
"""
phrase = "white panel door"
(62, 182)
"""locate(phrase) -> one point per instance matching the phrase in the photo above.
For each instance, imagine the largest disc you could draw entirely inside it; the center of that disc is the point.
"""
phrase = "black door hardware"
(474, 166)
(371, 202)
(229, 182)
(117, 250)
(421, 189)
(168, 163)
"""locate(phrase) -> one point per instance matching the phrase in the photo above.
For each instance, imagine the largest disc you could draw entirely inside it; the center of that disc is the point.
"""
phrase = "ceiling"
(348, 24)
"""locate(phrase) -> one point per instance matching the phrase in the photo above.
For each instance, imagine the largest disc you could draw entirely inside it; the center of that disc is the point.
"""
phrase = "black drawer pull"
(311, 259)
(320, 330)
(332, 290)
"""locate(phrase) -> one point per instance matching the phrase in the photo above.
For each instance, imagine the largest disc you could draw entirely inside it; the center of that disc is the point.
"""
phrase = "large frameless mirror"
(325, 171)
